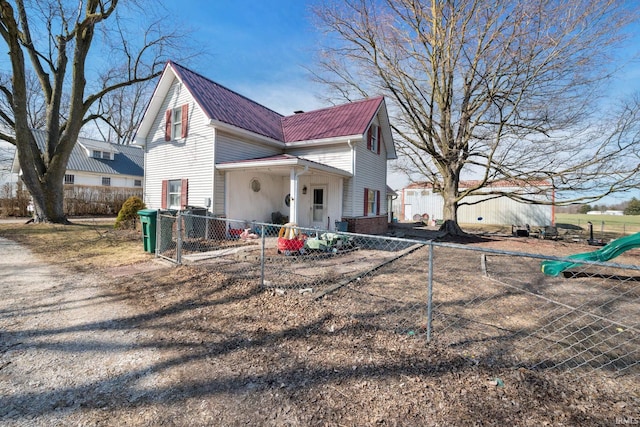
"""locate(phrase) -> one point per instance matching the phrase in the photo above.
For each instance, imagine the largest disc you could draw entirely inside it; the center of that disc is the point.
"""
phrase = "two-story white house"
(208, 146)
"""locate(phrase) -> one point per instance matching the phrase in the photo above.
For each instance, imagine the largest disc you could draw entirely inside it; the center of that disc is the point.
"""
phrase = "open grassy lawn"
(615, 224)
(82, 245)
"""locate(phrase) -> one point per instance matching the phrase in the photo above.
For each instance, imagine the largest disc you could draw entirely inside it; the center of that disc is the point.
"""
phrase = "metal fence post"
(430, 293)
(156, 250)
(263, 231)
(179, 237)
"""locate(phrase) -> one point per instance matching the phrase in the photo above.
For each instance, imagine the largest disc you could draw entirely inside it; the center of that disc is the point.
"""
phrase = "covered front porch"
(284, 187)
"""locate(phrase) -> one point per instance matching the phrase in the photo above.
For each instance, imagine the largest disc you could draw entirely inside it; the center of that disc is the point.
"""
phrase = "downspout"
(293, 191)
(353, 178)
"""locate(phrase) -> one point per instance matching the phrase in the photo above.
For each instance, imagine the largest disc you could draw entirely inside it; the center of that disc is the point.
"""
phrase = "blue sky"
(257, 48)
(260, 48)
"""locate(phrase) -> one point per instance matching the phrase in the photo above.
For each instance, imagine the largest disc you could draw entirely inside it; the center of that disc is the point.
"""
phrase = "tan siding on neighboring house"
(185, 158)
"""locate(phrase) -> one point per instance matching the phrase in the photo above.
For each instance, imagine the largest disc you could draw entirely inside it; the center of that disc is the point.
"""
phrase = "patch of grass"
(607, 224)
(82, 246)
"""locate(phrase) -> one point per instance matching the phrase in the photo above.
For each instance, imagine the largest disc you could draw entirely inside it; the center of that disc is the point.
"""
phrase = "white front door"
(319, 207)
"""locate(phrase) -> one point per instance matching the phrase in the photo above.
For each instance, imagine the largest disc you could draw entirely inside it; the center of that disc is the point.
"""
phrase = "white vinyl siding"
(371, 173)
(337, 156)
(95, 180)
(230, 148)
(271, 197)
(190, 158)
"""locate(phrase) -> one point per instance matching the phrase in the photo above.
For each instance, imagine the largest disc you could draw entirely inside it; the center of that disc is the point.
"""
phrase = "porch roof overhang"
(281, 165)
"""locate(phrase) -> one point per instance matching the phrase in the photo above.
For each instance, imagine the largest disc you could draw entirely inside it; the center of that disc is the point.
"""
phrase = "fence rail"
(487, 304)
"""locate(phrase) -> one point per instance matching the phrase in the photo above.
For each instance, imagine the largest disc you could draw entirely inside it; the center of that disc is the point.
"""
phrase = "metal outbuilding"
(421, 200)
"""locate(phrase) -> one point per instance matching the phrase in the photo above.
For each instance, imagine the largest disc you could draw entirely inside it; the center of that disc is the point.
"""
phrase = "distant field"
(613, 224)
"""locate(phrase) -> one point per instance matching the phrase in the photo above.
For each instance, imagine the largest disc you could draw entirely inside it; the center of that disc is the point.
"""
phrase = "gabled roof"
(226, 106)
(223, 105)
(127, 160)
(342, 120)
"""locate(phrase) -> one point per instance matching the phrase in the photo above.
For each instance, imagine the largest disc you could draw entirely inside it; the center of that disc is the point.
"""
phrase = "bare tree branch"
(56, 39)
(494, 89)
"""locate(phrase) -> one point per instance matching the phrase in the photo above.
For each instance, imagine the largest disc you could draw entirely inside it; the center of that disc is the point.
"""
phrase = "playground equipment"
(607, 252)
(290, 240)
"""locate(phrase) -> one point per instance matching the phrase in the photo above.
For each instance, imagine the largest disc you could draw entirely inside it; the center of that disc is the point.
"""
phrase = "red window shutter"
(369, 139)
(184, 193)
(378, 202)
(185, 120)
(366, 201)
(165, 194)
(379, 138)
(167, 125)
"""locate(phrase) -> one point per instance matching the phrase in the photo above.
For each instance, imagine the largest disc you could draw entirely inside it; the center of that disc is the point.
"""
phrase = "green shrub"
(129, 213)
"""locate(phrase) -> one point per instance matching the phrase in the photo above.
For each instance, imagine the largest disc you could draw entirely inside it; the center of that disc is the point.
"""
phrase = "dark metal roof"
(127, 159)
(342, 120)
(226, 106)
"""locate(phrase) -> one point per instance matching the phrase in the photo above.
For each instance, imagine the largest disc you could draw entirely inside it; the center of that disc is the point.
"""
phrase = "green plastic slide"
(610, 251)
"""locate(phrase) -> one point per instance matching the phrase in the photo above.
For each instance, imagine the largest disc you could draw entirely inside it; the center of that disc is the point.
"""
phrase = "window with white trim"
(371, 203)
(97, 154)
(137, 183)
(106, 181)
(173, 194)
(176, 123)
(69, 179)
(373, 146)
(106, 155)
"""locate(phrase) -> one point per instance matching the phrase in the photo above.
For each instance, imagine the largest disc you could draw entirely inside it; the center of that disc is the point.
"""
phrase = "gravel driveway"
(64, 346)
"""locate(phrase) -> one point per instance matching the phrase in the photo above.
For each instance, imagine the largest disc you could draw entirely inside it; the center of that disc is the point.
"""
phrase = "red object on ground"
(235, 232)
(290, 245)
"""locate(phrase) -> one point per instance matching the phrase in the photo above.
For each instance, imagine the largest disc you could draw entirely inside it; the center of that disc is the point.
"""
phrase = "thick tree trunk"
(48, 200)
(43, 180)
(450, 208)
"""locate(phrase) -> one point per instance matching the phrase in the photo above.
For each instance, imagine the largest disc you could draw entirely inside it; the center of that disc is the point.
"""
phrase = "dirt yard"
(149, 344)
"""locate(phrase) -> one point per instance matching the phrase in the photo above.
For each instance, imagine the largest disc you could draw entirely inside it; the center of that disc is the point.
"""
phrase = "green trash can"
(148, 220)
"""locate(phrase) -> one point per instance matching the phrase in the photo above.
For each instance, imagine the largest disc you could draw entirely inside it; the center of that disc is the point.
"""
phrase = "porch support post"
(293, 194)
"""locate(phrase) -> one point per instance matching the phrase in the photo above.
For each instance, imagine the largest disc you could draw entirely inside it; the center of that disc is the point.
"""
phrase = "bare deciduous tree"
(495, 89)
(120, 112)
(59, 41)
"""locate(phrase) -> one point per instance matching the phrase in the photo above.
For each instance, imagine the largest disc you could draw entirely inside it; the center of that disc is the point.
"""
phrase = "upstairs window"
(69, 179)
(137, 183)
(373, 138)
(106, 155)
(106, 181)
(176, 123)
(97, 154)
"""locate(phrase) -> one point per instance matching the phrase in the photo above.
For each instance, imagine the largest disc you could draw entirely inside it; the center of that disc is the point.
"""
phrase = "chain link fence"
(491, 306)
